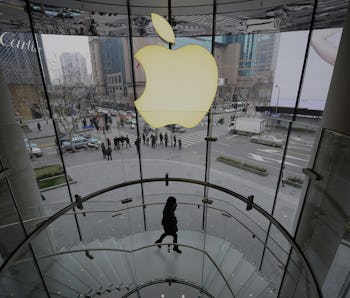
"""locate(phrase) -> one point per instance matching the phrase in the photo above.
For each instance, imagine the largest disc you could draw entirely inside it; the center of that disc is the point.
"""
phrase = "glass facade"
(73, 93)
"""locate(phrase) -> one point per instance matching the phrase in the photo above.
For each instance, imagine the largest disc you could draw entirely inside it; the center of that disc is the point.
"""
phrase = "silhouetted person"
(161, 138)
(180, 143)
(144, 138)
(104, 151)
(39, 126)
(174, 140)
(108, 142)
(153, 141)
(109, 153)
(166, 139)
(169, 223)
(282, 180)
(137, 145)
(127, 140)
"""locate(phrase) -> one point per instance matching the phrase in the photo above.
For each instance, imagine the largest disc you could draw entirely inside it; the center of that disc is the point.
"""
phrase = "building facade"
(108, 66)
(18, 61)
(74, 71)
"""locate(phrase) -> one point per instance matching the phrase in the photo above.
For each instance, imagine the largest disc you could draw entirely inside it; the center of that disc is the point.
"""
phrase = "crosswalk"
(297, 155)
(188, 138)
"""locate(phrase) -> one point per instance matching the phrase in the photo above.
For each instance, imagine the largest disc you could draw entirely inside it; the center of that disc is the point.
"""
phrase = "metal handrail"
(167, 179)
(138, 249)
(168, 280)
(179, 203)
(163, 194)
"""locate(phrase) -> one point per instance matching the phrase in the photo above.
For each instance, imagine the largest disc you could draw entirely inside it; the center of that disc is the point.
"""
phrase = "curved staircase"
(96, 269)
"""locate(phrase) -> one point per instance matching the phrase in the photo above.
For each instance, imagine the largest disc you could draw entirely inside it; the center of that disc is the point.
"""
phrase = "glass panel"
(328, 222)
(9, 223)
(22, 278)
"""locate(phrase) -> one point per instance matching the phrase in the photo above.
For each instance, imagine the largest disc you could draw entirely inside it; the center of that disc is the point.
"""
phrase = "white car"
(267, 140)
(33, 149)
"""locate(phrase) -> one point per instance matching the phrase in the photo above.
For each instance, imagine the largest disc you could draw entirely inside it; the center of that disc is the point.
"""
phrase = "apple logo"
(180, 84)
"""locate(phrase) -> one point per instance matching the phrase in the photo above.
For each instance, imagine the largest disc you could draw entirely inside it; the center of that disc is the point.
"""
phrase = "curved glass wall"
(257, 137)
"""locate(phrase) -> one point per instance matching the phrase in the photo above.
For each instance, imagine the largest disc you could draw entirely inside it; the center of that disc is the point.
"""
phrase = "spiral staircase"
(129, 264)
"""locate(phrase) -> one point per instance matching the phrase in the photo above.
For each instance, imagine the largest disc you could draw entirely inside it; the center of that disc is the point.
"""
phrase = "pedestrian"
(161, 138)
(137, 145)
(180, 143)
(115, 141)
(108, 142)
(144, 138)
(153, 141)
(39, 126)
(109, 153)
(174, 140)
(282, 180)
(104, 151)
(122, 139)
(166, 140)
(169, 223)
(147, 141)
(127, 140)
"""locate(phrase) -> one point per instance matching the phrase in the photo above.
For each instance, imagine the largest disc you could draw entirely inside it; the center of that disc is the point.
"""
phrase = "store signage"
(8, 39)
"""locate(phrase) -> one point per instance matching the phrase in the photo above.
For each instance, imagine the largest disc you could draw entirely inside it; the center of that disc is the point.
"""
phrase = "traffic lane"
(240, 147)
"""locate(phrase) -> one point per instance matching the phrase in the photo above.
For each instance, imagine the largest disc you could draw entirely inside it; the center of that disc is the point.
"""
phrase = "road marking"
(285, 162)
(224, 144)
(300, 144)
(306, 150)
(257, 157)
(271, 151)
(231, 137)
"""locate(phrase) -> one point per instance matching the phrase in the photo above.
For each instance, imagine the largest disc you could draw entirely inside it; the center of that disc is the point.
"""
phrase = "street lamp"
(278, 97)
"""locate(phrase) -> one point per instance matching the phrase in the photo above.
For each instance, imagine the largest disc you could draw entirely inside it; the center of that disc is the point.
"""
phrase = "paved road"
(193, 142)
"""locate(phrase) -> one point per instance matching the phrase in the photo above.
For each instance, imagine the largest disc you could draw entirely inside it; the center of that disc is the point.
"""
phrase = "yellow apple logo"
(180, 84)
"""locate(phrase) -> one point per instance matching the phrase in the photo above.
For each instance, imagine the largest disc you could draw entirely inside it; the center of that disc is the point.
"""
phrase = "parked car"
(176, 128)
(93, 143)
(79, 142)
(33, 149)
(267, 140)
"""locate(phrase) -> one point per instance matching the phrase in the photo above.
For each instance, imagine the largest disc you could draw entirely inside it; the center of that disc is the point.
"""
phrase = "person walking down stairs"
(169, 223)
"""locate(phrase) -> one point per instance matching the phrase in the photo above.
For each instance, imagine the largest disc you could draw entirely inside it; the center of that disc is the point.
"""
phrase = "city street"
(92, 172)
(193, 148)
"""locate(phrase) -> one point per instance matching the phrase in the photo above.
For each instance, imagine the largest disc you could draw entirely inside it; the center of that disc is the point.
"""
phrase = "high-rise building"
(108, 66)
(74, 71)
(257, 62)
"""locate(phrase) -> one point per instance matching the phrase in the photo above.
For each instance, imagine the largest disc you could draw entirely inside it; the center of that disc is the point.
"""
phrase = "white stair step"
(228, 266)
(69, 262)
(255, 286)
(117, 260)
(104, 262)
(241, 275)
(219, 256)
(58, 287)
(51, 267)
(92, 267)
(268, 293)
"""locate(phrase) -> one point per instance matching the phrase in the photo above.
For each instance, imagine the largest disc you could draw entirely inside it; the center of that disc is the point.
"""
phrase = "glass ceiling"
(190, 18)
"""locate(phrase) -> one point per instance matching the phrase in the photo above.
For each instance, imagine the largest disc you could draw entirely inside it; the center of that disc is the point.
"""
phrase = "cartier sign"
(8, 39)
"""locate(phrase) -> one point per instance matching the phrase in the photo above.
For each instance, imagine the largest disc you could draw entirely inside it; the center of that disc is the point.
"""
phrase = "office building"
(74, 71)
(108, 66)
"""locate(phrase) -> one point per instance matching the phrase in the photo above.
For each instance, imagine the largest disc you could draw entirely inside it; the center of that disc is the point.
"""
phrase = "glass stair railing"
(97, 268)
(225, 252)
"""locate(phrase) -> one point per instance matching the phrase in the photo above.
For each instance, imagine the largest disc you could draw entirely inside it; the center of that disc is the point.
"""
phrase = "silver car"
(267, 140)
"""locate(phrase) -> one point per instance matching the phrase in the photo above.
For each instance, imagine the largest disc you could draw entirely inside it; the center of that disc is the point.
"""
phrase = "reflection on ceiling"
(190, 18)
